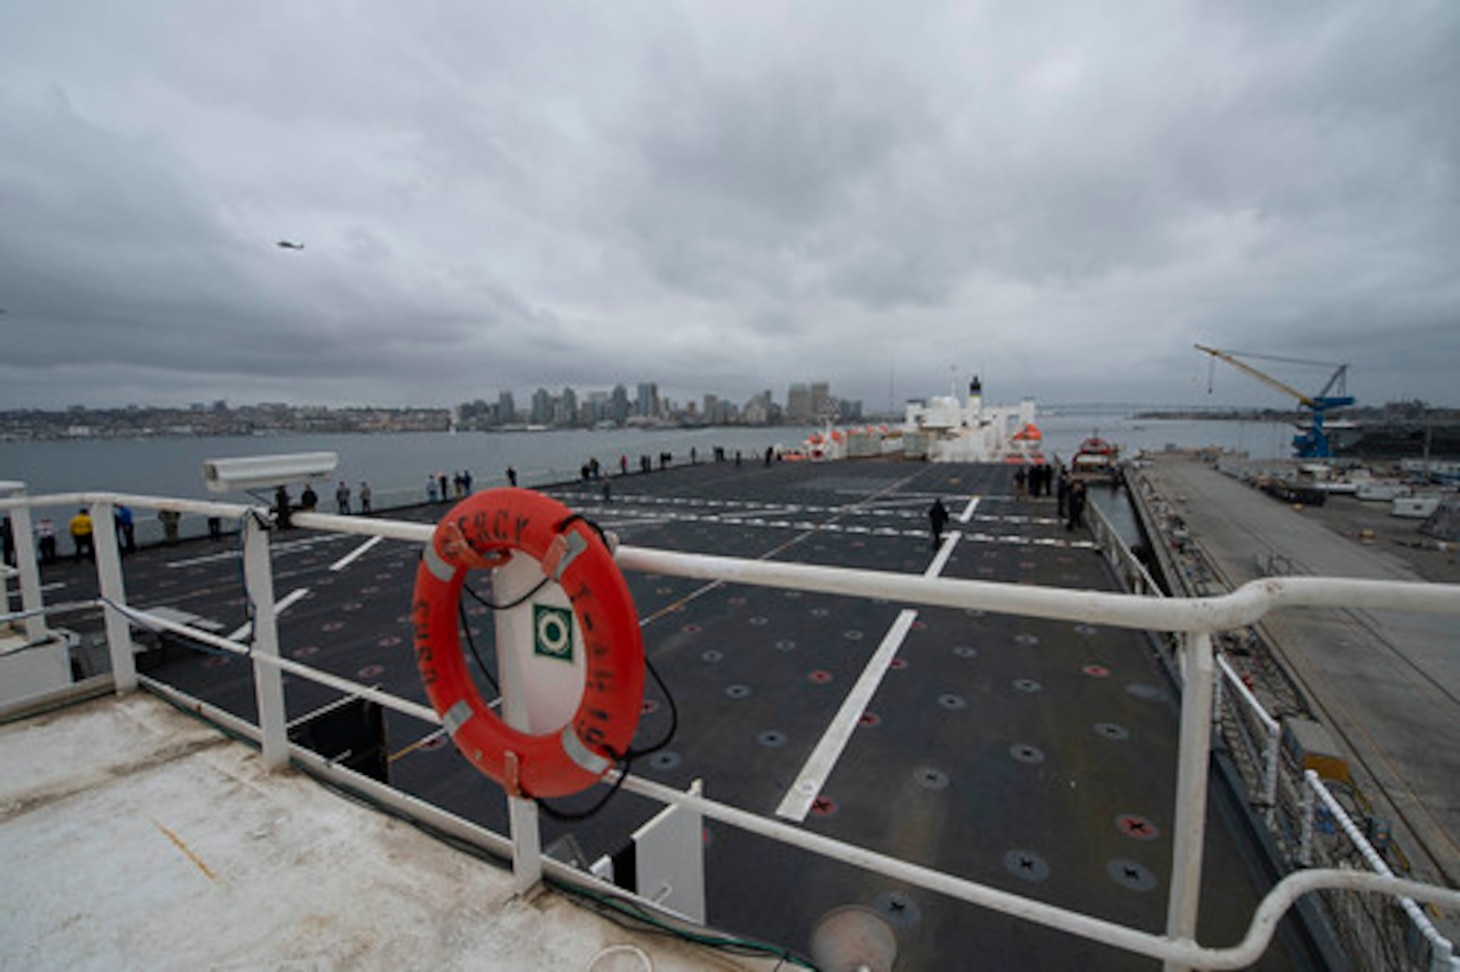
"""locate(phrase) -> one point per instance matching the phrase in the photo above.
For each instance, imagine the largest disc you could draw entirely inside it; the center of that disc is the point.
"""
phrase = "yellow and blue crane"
(1310, 442)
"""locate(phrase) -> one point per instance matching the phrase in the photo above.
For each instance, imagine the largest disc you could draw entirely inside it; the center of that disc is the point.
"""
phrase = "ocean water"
(1063, 434)
(396, 465)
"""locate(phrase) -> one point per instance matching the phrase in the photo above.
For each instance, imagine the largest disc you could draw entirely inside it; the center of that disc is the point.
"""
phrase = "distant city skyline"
(804, 402)
(565, 407)
(221, 418)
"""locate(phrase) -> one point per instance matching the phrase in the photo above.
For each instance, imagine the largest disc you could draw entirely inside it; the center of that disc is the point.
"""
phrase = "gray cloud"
(723, 198)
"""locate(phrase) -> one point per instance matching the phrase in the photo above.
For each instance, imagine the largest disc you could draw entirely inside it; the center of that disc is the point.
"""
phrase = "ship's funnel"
(975, 401)
(852, 939)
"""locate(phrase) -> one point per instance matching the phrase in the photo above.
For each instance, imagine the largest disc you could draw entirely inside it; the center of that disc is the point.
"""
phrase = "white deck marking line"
(278, 547)
(205, 559)
(611, 524)
(945, 550)
(355, 554)
(797, 802)
(280, 606)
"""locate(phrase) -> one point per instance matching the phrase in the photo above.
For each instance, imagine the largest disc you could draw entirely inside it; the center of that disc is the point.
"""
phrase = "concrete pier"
(1387, 685)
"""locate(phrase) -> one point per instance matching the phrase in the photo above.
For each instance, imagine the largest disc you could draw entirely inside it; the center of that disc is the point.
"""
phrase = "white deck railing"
(1247, 725)
(1194, 619)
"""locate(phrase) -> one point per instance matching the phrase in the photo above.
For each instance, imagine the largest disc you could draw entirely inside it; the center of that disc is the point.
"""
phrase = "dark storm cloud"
(723, 198)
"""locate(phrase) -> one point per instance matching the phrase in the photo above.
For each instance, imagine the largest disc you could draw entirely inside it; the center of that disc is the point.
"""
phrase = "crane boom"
(1312, 442)
(1263, 377)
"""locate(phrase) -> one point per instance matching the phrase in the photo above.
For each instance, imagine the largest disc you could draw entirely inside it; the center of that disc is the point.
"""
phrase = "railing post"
(268, 680)
(526, 844)
(113, 591)
(25, 563)
(521, 813)
(1194, 761)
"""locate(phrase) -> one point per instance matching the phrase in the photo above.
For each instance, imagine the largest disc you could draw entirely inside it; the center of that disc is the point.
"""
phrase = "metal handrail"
(1196, 618)
(1259, 935)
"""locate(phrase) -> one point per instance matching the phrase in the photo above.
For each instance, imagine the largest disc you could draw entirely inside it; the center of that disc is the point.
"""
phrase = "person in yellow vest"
(81, 534)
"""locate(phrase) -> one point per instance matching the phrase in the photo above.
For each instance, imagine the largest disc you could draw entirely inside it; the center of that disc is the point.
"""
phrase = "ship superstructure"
(945, 428)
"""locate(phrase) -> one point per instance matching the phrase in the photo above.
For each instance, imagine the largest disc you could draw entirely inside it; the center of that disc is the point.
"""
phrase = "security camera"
(265, 472)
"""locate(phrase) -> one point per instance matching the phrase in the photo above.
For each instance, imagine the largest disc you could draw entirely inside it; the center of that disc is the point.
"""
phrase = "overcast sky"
(725, 198)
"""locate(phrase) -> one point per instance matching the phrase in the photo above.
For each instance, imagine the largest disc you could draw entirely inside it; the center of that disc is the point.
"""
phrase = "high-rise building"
(760, 410)
(647, 404)
(594, 408)
(542, 407)
(619, 404)
(798, 403)
(821, 401)
(566, 412)
(506, 408)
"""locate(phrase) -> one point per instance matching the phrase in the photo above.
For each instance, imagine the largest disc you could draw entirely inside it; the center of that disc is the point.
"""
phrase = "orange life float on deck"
(480, 532)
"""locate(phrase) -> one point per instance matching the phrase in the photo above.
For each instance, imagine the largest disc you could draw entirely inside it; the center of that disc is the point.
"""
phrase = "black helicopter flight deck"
(1035, 756)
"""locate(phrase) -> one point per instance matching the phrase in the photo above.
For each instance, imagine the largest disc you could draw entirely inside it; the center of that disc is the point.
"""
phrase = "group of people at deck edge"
(1027, 481)
(309, 501)
(82, 531)
(441, 487)
(1070, 495)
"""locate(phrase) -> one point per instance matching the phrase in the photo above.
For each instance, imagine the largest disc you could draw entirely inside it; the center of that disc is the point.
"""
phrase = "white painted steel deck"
(136, 837)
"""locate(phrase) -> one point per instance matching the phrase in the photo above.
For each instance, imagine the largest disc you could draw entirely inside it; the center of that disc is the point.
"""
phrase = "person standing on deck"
(81, 534)
(1062, 493)
(45, 532)
(1076, 503)
(281, 508)
(937, 520)
(342, 498)
(169, 520)
(126, 529)
(511, 476)
(365, 497)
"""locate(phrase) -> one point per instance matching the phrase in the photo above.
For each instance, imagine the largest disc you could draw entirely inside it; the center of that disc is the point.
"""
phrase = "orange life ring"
(480, 532)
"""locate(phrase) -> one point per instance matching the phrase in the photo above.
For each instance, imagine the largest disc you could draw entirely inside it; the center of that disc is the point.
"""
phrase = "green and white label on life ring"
(552, 632)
